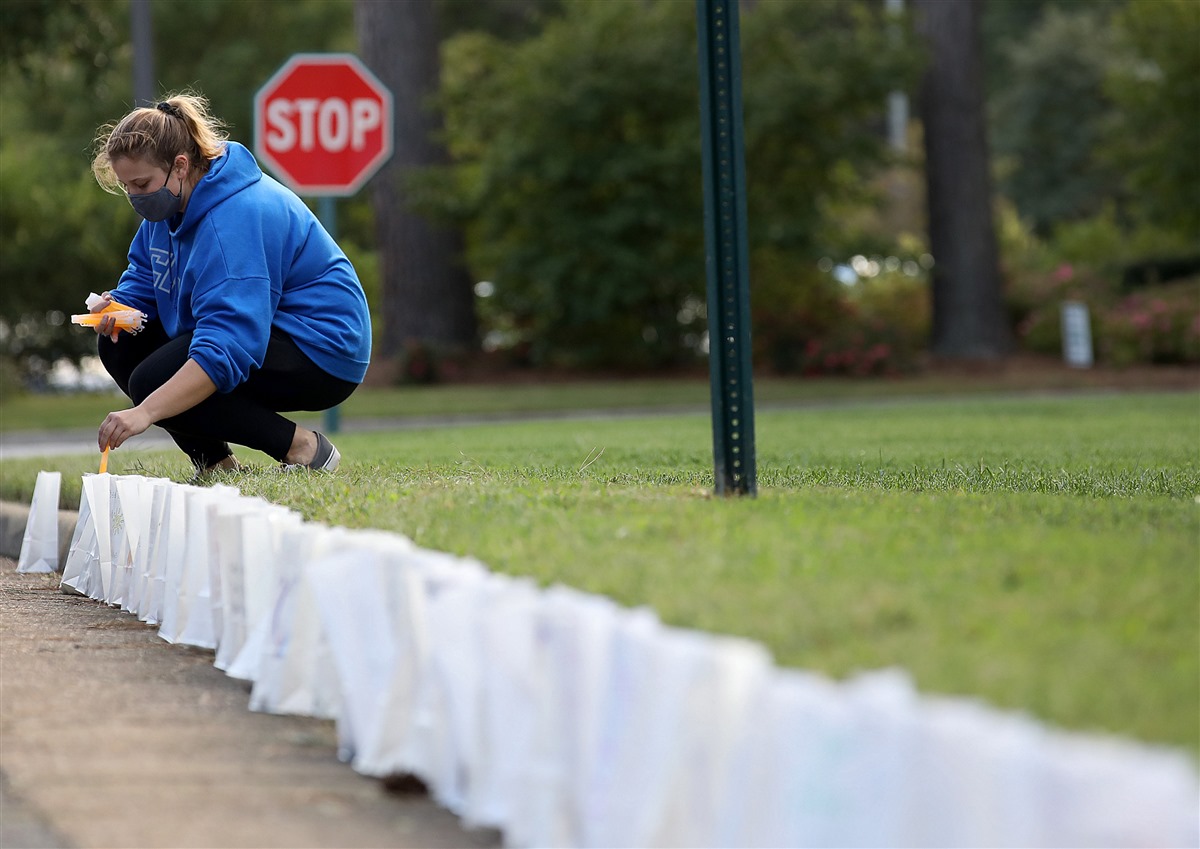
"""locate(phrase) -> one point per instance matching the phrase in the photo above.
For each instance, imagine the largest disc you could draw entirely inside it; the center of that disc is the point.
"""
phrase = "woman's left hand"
(121, 425)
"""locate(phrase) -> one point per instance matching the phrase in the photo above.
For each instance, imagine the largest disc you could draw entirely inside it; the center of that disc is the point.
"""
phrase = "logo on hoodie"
(161, 263)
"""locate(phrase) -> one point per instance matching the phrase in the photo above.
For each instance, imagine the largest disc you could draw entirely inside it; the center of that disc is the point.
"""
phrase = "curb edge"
(13, 519)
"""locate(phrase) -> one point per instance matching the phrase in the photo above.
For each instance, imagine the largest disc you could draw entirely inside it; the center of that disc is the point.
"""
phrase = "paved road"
(57, 443)
(110, 737)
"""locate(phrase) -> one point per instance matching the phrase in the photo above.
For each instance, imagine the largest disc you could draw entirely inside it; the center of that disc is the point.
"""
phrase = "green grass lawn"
(1041, 553)
(28, 411)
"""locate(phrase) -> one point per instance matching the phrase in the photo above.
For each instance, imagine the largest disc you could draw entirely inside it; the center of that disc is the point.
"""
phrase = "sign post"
(726, 256)
(323, 126)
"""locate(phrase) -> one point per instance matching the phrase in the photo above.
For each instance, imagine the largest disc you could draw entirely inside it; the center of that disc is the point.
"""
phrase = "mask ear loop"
(174, 165)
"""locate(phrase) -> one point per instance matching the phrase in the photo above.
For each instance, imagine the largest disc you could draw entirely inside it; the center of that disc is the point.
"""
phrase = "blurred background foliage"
(575, 171)
(575, 167)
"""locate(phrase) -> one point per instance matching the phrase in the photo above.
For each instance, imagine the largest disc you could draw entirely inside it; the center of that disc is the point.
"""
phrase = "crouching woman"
(252, 309)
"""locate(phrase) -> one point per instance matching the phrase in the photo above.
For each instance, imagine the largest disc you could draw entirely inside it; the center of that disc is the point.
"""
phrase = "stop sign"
(323, 124)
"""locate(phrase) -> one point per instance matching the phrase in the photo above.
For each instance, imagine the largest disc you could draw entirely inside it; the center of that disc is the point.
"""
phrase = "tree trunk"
(427, 294)
(969, 321)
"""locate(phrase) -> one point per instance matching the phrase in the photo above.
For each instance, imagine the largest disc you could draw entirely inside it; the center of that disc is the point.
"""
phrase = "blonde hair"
(180, 123)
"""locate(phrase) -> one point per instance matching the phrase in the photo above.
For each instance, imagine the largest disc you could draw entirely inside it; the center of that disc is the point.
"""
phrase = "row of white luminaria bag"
(563, 719)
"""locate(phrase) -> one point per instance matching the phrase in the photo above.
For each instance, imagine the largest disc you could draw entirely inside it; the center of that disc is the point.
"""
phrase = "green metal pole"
(726, 252)
(327, 213)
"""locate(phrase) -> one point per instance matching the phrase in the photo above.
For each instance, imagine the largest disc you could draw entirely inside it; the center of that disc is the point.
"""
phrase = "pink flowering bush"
(1152, 325)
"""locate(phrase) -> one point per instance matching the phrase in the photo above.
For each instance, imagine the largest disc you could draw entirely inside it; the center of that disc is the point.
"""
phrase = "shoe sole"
(332, 461)
(329, 465)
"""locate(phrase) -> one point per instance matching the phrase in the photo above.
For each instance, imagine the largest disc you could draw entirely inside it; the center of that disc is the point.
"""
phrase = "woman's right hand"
(107, 325)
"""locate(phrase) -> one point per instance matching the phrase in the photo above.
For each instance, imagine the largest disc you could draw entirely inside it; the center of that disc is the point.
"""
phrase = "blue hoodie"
(248, 256)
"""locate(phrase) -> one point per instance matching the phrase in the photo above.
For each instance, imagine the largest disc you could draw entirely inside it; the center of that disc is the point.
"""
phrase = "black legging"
(249, 415)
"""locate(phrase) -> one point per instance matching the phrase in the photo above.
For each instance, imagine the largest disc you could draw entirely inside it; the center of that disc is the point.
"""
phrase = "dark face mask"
(159, 205)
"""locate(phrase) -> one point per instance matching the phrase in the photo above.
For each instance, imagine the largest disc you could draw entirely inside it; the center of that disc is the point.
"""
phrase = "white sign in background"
(1076, 334)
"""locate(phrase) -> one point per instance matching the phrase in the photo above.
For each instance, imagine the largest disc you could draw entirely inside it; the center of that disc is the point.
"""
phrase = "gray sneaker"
(327, 458)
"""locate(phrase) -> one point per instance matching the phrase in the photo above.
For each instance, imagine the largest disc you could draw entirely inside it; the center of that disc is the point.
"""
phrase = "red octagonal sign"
(323, 124)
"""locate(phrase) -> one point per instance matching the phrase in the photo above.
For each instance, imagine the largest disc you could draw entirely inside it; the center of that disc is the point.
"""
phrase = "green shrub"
(810, 323)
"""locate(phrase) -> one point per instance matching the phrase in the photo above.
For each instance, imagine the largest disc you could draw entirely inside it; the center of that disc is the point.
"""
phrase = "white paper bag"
(1001, 780)
(305, 677)
(84, 552)
(715, 727)
(99, 493)
(199, 603)
(644, 734)
(39, 547)
(231, 528)
(510, 693)
(383, 747)
(445, 719)
(154, 569)
(169, 585)
(574, 642)
(357, 622)
(224, 556)
(358, 601)
(798, 788)
(194, 620)
(262, 544)
(129, 491)
(396, 727)
(288, 679)
(122, 511)
(138, 500)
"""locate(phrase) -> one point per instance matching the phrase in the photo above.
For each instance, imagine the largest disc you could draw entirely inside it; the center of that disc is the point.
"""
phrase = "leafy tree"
(67, 61)
(511, 20)
(1053, 118)
(234, 46)
(1010, 22)
(577, 164)
(59, 231)
(59, 234)
(1158, 144)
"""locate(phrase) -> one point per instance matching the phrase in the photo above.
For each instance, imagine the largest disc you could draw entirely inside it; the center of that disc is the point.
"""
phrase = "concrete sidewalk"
(110, 737)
